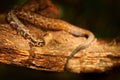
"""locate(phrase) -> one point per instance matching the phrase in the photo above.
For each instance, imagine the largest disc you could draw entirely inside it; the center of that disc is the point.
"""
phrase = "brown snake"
(47, 23)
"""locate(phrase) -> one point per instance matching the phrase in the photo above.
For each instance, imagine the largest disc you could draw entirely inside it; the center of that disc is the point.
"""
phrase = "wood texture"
(15, 50)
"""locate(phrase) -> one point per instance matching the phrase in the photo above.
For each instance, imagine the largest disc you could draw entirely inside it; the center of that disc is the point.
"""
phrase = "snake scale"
(48, 24)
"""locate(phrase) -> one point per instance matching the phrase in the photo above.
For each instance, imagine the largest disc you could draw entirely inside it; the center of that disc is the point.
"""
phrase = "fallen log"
(100, 56)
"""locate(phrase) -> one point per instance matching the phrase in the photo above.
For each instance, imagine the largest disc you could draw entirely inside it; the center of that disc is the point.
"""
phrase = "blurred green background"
(99, 16)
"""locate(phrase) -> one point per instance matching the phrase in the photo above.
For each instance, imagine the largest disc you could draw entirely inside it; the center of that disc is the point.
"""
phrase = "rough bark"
(100, 56)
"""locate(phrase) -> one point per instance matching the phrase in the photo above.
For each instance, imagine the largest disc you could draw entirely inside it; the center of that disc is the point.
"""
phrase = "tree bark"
(100, 56)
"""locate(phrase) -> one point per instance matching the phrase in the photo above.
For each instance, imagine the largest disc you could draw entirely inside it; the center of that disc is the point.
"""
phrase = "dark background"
(99, 16)
(8, 72)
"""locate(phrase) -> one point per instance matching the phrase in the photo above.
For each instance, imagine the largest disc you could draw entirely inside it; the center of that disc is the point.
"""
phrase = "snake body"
(22, 30)
(51, 24)
(57, 24)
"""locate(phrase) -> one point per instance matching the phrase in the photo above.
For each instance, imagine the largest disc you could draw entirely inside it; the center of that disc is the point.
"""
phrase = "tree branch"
(100, 56)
